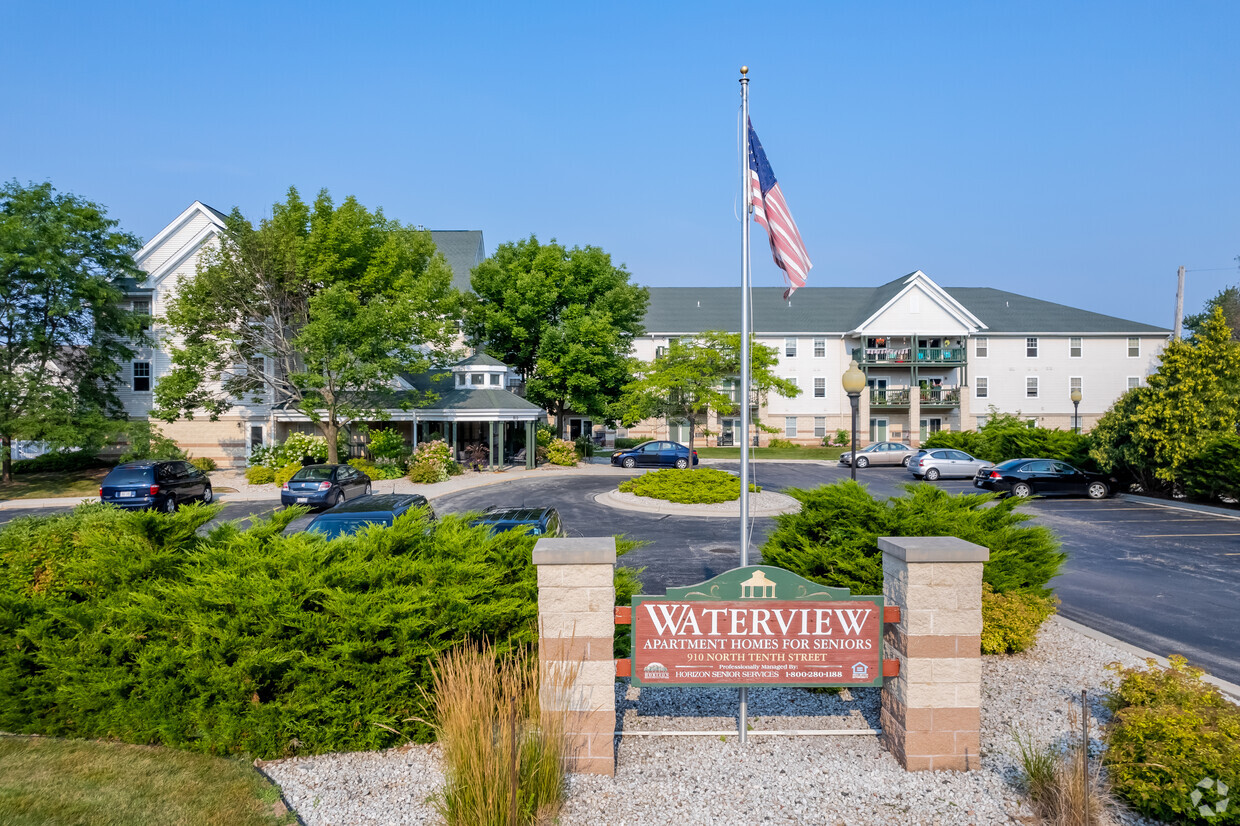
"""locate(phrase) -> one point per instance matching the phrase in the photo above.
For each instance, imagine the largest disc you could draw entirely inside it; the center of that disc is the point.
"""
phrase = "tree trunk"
(6, 473)
(330, 431)
(559, 419)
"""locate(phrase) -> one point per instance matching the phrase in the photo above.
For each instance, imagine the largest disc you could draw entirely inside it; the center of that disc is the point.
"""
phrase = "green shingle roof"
(838, 310)
(480, 360)
(464, 250)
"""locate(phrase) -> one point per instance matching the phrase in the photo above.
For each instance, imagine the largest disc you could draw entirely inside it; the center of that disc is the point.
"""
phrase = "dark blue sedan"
(655, 454)
(382, 509)
(324, 486)
(540, 521)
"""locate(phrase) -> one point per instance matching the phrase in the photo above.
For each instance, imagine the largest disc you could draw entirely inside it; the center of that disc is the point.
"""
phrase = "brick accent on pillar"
(930, 713)
(576, 598)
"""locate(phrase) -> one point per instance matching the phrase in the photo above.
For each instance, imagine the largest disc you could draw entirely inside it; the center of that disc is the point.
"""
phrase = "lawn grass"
(75, 483)
(827, 454)
(46, 780)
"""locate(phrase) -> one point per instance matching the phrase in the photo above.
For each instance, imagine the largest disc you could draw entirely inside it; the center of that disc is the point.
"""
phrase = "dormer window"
(495, 377)
(477, 378)
(460, 379)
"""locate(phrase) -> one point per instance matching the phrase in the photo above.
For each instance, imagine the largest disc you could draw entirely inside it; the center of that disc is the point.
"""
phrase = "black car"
(324, 486)
(376, 509)
(655, 454)
(540, 521)
(155, 484)
(1043, 477)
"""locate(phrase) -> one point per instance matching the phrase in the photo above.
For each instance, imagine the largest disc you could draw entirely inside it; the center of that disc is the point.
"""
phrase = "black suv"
(373, 509)
(540, 521)
(161, 484)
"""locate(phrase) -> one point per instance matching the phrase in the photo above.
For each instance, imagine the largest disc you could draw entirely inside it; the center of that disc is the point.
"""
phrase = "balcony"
(886, 356)
(889, 397)
(938, 396)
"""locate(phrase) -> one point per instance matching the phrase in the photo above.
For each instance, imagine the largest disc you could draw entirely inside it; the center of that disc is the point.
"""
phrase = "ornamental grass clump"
(690, 486)
(1062, 791)
(504, 755)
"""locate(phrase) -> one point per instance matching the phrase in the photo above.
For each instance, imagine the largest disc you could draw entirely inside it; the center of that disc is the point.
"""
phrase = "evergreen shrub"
(692, 486)
(781, 443)
(623, 443)
(1005, 436)
(562, 452)
(1214, 472)
(204, 463)
(1010, 621)
(1170, 730)
(260, 475)
(131, 626)
(60, 461)
(834, 537)
(381, 470)
(286, 473)
(147, 441)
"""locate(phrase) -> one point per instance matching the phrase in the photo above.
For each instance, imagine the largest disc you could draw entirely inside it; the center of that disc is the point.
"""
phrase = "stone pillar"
(931, 715)
(576, 621)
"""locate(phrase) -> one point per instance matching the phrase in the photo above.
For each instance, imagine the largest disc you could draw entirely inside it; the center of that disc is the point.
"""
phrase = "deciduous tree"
(1228, 301)
(565, 319)
(322, 306)
(688, 379)
(64, 326)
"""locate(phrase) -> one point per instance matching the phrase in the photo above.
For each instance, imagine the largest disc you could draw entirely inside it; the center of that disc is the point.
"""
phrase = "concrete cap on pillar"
(932, 549)
(575, 550)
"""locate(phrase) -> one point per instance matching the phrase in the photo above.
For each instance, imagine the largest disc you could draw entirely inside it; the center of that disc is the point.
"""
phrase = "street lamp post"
(1076, 410)
(854, 383)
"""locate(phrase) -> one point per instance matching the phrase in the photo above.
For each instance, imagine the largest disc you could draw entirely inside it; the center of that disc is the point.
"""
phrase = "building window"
(1074, 347)
(1074, 384)
(460, 379)
(142, 376)
(820, 348)
(790, 347)
(820, 387)
(495, 379)
(1031, 347)
(142, 307)
(982, 348)
(981, 421)
(477, 378)
(660, 352)
(981, 386)
(1134, 347)
(792, 380)
(820, 427)
(790, 426)
(1134, 382)
(1031, 387)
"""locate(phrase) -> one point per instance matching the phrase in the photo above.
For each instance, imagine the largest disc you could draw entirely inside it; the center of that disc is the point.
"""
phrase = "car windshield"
(129, 476)
(313, 474)
(339, 526)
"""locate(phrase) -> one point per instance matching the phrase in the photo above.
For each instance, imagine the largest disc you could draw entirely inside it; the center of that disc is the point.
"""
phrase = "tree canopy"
(64, 326)
(1228, 300)
(320, 307)
(690, 377)
(565, 319)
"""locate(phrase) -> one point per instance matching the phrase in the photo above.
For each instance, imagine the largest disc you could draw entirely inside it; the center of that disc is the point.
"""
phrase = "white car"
(944, 462)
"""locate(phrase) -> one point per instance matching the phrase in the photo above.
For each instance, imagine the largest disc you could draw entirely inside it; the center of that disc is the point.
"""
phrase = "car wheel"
(932, 474)
(629, 462)
(681, 464)
(169, 505)
(339, 498)
(1097, 490)
(862, 461)
(208, 495)
(904, 461)
(367, 491)
(1021, 490)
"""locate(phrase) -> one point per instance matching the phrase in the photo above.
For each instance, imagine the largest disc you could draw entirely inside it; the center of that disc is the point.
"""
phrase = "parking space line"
(1165, 535)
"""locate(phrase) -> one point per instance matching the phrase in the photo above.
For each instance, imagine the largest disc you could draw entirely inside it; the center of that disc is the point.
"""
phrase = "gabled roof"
(213, 224)
(464, 250)
(480, 359)
(891, 292)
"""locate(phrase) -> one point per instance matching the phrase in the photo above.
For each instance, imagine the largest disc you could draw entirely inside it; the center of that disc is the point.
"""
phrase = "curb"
(632, 502)
(1230, 689)
(1181, 506)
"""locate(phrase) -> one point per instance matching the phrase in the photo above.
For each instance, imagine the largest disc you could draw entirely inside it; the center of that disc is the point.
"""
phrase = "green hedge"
(834, 538)
(60, 462)
(132, 626)
(692, 486)
(1006, 437)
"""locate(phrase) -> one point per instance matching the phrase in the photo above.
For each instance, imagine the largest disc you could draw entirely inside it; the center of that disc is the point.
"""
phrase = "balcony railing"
(889, 397)
(940, 396)
(907, 355)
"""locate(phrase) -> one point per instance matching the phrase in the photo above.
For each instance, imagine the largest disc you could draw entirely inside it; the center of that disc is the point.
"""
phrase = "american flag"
(771, 211)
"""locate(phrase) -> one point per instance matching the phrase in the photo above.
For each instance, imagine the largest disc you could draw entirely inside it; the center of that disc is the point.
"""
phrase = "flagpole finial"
(744, 70)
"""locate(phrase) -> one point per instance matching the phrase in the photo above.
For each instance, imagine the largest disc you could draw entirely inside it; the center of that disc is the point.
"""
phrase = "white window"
(1031, 347)
(142, 376)
(477, 378)
(1031, 387)
(981, 387)
(820, 348)
(792, 380)
(790, 426)
(820, 426)
(1134, 382)
(1074, 384)
(820, 387)
(1134, 347)
(1074, 347)
(982, 348)
(460, 379)
(142, 307)
(495, 379)
(790, 347)
(660, 352)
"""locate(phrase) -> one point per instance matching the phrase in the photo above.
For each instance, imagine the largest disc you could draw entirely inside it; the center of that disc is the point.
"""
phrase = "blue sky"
(1076, 152)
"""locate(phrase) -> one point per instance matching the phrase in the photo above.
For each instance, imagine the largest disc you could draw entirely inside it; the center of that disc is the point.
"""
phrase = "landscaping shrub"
(286, 473)
(430, 462)
(1005, 436)
(292, 450)
(584, 445)
(60, 461)
(260, 475)
(1010, 621)
(146, 441)
(1214, 473)
(625, 443)
(782, 443)
(129, 625)
(1171, 731)
(1062, 791)
(387, 444)
(842, 438)
(382, 470)
(834, 538)
(689, 486)
(204, 463)
(561, 452)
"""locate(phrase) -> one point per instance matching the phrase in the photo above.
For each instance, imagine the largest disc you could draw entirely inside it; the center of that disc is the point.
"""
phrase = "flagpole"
(743, 722)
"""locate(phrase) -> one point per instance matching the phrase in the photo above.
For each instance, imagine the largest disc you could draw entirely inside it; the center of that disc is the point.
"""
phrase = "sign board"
(758, 626)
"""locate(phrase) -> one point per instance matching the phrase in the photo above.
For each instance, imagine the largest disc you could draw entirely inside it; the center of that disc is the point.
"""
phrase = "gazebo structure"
(475, 407)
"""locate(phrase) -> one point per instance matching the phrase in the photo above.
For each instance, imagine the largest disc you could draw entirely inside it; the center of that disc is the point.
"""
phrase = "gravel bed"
(774, 779)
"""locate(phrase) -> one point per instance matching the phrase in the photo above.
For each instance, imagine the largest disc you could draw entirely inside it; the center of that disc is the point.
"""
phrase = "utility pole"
(1179, 308)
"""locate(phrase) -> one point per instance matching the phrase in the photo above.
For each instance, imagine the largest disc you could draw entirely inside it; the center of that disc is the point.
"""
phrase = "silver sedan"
(881, 453)
(945, 462)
